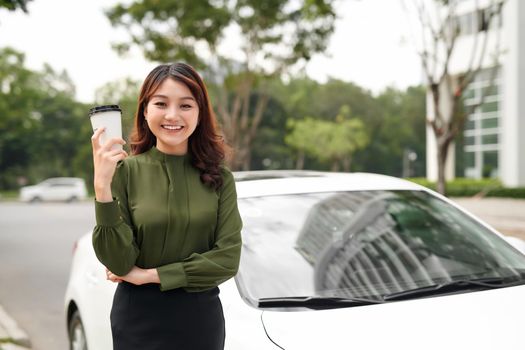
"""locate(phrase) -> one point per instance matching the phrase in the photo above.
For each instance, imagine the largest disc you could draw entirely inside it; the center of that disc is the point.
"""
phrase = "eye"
(186, 106)
(159, 104)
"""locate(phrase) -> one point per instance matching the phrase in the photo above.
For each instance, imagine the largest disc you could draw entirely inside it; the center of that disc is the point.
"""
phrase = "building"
(494, 145)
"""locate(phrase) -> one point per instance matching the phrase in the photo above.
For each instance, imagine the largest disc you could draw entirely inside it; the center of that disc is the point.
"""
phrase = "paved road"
(505, 214)
(36, 243)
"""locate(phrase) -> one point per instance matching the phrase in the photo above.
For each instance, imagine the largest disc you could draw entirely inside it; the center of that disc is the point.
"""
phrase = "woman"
(168, 227)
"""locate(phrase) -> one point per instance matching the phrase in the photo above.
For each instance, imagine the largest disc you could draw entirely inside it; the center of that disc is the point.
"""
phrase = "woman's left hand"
(136, 276)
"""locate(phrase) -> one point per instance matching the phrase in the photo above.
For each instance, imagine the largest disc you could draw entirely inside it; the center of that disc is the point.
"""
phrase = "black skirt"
(145, 318)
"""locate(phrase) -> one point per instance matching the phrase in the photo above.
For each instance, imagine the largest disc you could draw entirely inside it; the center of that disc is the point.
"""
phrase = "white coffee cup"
(110, 117)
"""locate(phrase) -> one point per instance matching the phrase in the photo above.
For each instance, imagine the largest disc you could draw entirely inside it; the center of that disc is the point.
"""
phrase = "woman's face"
(172, 114)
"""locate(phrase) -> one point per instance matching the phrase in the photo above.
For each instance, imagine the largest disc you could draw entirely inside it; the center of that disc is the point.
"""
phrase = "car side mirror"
(517, 243)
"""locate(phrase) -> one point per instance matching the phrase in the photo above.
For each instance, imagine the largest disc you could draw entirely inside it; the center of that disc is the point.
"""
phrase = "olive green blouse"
(164, 217)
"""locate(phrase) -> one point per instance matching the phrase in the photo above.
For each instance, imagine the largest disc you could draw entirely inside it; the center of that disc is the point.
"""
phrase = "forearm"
(202, 271)
(103, 192)
(136, 276)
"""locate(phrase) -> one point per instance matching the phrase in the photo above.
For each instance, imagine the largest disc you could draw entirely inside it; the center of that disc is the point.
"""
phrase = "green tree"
(398, 127)
(19, 116)
(273, 35)
(39, 122)
(305, 97)
(333, 142)
(301, 136)
(60, 132)
(269, 150)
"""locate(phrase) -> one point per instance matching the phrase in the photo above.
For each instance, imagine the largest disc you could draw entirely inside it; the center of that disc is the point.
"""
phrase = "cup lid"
(105, 108)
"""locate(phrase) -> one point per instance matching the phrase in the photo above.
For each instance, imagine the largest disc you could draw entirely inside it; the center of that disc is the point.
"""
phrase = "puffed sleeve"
(211, 268)
(113, 238)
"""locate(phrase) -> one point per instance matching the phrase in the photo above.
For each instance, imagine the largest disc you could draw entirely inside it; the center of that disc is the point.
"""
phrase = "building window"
(489, 107)
(490, 123)
(490, 91)
(470, 140)
(490, 164)
(482, 128)
(470, 159)
(489, 139)
(470, 125)
(479, 21)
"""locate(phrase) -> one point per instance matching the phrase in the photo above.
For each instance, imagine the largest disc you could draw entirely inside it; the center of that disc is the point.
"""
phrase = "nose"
(172, 113)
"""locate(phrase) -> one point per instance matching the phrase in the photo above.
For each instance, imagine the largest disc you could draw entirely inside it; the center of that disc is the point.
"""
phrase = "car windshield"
(364, 244)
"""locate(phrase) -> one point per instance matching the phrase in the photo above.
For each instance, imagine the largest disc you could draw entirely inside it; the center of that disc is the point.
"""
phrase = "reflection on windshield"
(362, 244)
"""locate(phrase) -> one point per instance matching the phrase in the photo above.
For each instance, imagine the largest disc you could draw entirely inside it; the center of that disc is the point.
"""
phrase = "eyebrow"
(182, 98)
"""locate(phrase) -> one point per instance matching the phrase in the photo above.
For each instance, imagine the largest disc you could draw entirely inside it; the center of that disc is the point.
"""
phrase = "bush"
(516, 192)
(462, 187)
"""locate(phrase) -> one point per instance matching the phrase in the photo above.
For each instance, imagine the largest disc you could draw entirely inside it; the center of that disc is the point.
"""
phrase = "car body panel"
(90, 292)
(486, 320)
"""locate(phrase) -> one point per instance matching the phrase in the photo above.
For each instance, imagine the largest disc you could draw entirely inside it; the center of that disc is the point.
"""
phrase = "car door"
(60, 190)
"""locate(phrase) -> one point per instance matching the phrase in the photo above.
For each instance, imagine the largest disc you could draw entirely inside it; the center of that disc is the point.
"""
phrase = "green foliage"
(306, 97)
(328, 141)
(463, 187)
(394, 121)
(516, 192)
(398, 125)
(39, 122)
(269, 149)
(172, 30)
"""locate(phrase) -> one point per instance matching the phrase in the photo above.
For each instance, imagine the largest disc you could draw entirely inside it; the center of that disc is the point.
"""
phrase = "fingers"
(108, 150)
(95, 140)
(114, 141)
(96, 136)
(113, 152)
(110, 276)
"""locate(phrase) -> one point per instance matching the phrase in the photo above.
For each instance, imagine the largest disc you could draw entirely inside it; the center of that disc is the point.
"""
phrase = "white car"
(345, 261)
(55, 189)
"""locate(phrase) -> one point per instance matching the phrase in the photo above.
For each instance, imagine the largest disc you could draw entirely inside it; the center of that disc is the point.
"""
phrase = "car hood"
(480, 320)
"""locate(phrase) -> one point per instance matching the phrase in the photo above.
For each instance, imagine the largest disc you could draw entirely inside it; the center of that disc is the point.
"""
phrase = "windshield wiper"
(455, 286)
(315, 302)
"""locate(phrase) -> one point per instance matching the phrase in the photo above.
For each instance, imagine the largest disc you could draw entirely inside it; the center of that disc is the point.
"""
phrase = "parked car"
(55, 189)
(345, 261)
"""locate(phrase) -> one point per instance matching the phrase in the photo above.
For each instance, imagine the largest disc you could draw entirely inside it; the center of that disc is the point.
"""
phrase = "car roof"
(277, 182)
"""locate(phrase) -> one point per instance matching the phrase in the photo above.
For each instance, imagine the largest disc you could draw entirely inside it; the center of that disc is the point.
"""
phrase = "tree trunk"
(246, 160)
(347, 162)
(299, 165)
(241, 125)
(442, 153)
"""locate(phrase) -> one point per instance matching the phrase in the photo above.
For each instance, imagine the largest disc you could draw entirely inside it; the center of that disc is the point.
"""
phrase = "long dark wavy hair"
(206, 145)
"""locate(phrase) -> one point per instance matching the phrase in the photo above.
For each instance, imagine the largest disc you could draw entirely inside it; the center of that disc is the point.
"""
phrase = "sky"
(370, 46)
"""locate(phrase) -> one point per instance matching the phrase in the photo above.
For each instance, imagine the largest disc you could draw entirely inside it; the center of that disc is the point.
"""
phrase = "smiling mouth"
(172, 127)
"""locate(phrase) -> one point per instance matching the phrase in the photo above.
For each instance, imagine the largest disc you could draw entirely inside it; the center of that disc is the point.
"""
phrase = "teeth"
(172, 127)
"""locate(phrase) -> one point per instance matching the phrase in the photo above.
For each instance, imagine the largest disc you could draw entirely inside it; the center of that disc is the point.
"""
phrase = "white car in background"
(345, 261)
(67, 189)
